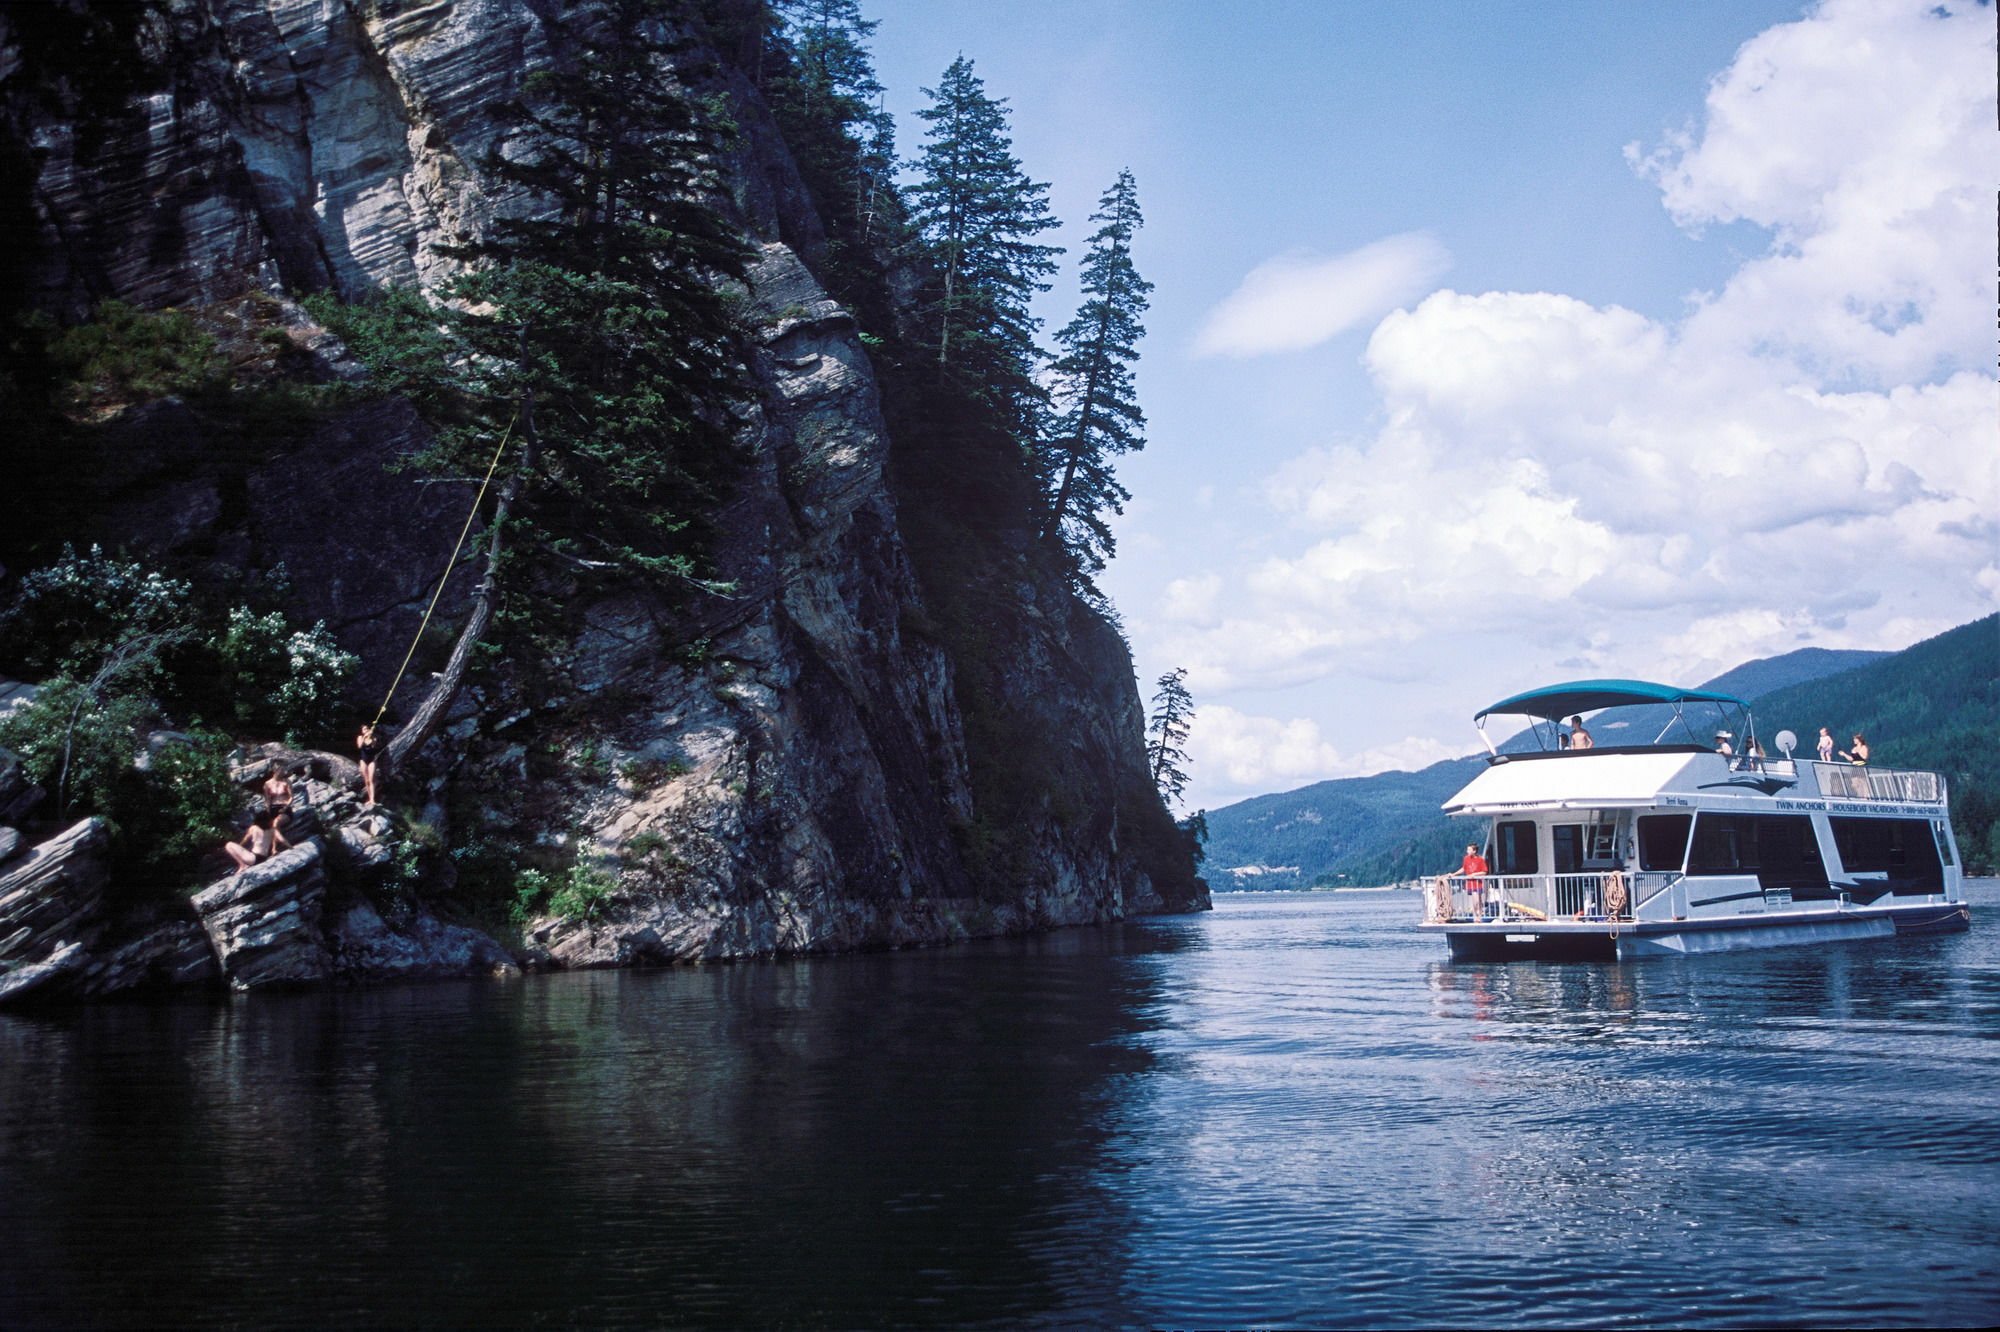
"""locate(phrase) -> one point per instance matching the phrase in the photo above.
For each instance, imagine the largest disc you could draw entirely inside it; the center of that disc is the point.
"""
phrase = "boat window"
(1905, 850)
(1515, 843)
(1780, 849)
(1663, 840)
(1568, 848)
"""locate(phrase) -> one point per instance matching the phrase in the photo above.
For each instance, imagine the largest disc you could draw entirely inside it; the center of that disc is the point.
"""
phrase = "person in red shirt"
(1472, 867)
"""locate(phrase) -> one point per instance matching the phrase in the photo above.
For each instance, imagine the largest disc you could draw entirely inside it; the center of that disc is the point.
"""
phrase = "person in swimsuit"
(258, 845)
(278, 801)
(1578, 737)
(1858, 756)
(1825, 746)
(371, 751)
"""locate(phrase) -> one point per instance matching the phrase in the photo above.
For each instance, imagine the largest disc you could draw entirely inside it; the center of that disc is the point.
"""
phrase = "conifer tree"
(828, 102)
(1097, 413)
(1167, 733)
(595, 330)
(979, 213)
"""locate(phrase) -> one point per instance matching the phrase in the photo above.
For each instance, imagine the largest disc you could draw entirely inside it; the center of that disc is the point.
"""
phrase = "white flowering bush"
(290, 679)
(68, 616)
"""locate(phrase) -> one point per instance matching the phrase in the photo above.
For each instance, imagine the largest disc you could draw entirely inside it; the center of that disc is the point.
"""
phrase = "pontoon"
(1648, 848)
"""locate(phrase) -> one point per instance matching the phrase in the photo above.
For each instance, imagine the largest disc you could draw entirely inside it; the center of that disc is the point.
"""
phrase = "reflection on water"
(1291, 1111)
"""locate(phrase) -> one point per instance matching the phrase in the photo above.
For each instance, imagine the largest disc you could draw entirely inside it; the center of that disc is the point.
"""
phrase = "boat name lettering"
(1676, 800)
(1802, 804)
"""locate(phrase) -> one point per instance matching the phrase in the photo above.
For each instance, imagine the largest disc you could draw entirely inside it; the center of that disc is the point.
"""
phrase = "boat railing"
(1599, 895)
(1854, 781)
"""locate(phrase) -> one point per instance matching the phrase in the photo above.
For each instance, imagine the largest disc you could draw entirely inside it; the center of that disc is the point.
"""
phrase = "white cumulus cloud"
(1298, 300)
(1806, 457)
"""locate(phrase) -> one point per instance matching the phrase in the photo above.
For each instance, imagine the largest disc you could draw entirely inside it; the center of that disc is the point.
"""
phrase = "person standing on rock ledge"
(371, 751)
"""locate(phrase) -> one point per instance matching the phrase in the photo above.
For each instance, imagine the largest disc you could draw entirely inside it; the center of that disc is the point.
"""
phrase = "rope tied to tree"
(450, 565)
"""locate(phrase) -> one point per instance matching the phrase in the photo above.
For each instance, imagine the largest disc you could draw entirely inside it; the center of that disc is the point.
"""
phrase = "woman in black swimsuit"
(371, 750)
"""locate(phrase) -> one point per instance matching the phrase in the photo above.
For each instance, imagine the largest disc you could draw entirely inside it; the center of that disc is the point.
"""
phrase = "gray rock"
(264, 923)
(21, 804)
(40, 980)
(10, 843)
(156, 954)
(367, 948)
(13, 779)
(54, 895)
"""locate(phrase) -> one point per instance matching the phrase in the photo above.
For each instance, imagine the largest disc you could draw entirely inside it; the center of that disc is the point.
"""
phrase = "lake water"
(1291, 1111)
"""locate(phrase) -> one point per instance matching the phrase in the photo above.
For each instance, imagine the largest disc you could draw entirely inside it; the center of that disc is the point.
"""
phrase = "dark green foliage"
(188, 802)
(820, 84)
(1166, 736)
(123, 354)
(602, 312)
(77, 740)
(401, 338)
(1097, 410)
(978, 214)
(71, 615)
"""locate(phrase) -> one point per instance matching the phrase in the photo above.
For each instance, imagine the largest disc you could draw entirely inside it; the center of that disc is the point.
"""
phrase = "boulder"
(39, 980)
(54, 895)
(264, 923)
(13, 780)
(157, 954)
(10, 842)
(366, 947)
(17, 807)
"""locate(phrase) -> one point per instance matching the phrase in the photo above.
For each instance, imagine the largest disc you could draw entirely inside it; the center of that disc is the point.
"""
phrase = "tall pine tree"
(827, 100)
(1167, 733)
(595, 330)
(979, 214)
(1097, 415)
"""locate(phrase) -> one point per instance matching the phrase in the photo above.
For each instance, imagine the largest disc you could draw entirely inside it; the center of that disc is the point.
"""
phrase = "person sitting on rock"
(371, 749)
(259, 844)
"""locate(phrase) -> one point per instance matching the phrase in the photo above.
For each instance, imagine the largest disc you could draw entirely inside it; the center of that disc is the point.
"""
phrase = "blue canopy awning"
(1555, 702)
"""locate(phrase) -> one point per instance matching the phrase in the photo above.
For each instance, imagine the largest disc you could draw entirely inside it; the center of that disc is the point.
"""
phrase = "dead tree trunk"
(431, 711)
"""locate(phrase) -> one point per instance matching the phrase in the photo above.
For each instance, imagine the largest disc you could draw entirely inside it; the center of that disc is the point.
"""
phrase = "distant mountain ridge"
(1386, 827)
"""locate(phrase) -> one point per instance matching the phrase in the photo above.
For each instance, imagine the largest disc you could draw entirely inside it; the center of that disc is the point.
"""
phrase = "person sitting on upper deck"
(1858, 756)
(1578, 737)
(1722, 745)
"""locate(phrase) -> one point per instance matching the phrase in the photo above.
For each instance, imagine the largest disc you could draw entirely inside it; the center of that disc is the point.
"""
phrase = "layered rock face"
(778, 768)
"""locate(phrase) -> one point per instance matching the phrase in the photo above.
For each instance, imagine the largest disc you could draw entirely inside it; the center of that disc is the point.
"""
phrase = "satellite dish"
(1787, 742)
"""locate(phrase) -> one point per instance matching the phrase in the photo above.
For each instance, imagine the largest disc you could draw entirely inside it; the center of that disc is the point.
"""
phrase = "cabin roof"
(1589, 780)
(1555, 702)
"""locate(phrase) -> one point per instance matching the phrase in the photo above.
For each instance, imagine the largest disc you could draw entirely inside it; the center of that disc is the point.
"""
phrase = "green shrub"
(68, 616)
(531, 890)
(125, 354)
(646, 843)
(189, 799)
(583, 893)
(78, 746)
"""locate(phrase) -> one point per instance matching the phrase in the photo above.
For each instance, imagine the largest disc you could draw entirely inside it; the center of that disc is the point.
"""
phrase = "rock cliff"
(781, 767)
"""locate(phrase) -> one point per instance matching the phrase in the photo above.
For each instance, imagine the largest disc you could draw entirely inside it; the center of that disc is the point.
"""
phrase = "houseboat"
(1691, 842)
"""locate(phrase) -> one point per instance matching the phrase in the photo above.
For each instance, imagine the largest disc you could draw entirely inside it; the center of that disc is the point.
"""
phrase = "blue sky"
(1576, 349)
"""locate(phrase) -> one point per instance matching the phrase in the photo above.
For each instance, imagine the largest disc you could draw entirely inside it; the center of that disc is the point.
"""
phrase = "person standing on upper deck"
(1825, 745)
(1578, 737)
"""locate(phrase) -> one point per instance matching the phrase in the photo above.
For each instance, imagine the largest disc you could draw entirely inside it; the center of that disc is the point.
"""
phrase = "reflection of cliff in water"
(883, 1138)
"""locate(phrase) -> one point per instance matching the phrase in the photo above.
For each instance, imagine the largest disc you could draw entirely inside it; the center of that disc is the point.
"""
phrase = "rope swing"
(450, 564)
